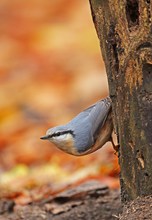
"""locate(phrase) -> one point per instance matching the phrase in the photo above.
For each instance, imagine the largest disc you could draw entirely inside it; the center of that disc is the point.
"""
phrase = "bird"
(85, 133)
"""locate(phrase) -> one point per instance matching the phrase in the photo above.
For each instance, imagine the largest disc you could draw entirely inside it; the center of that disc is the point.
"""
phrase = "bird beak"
(45, 137)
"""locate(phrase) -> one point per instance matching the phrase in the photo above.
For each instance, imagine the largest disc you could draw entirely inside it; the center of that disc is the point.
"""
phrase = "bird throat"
(66, 145)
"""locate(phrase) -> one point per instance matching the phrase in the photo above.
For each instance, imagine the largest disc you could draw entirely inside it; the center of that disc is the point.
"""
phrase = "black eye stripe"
(57, 134)
(61, 133)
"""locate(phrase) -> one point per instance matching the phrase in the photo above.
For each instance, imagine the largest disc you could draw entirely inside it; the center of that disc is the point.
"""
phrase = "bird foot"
(115, 147)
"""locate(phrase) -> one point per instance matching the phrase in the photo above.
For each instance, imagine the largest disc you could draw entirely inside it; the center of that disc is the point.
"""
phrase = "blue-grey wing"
(91, 119)
(95, 111)
(99, 114)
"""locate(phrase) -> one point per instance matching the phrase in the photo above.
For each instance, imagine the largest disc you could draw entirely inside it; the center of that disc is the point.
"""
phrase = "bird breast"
(67, 145)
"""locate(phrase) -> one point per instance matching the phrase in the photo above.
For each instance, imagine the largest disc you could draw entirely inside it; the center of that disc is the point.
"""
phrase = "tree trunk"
(124, 28)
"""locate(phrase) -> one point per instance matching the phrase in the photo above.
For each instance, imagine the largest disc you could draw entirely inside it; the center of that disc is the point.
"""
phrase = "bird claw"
(115, 147)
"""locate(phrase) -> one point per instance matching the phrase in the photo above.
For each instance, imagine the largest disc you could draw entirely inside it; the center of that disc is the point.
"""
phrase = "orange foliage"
(50, 69)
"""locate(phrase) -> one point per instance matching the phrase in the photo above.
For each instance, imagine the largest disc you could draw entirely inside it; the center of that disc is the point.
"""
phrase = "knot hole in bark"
(132, 13)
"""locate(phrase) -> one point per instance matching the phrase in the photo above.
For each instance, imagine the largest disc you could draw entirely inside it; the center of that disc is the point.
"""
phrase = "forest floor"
(90, 200)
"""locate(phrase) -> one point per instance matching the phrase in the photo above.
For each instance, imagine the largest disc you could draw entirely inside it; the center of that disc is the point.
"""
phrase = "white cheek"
(68, 137)
(59, 139)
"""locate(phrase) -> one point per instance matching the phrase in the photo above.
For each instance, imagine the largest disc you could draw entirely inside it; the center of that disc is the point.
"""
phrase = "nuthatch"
(87, 132)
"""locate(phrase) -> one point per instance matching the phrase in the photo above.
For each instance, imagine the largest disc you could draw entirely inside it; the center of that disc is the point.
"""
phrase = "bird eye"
(58, 134)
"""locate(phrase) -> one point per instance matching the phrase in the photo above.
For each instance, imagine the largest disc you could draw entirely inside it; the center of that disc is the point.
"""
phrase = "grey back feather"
(87, 123)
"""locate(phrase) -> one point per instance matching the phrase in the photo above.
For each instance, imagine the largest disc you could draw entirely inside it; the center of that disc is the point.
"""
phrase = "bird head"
(62, 137)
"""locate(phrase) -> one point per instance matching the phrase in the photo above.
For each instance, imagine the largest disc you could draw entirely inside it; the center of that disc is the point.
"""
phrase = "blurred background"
(50, 70)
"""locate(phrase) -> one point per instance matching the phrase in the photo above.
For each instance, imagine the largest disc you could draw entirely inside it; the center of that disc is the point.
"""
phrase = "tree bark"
(124, 28)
